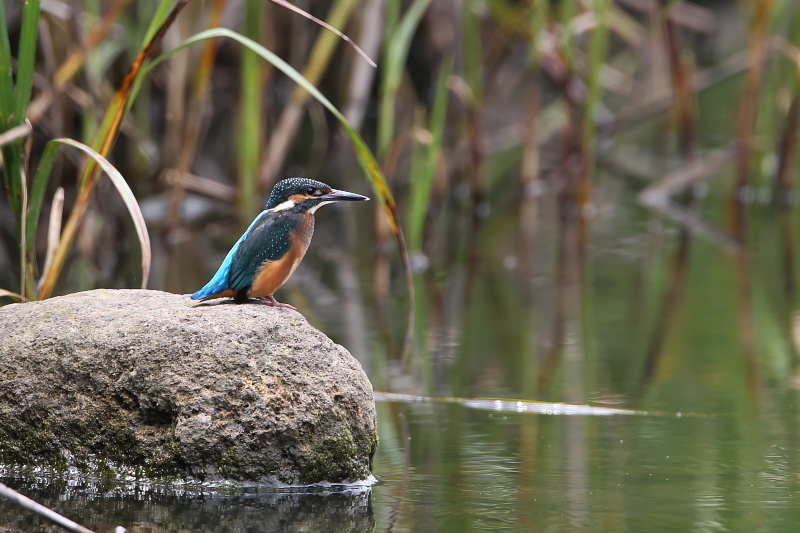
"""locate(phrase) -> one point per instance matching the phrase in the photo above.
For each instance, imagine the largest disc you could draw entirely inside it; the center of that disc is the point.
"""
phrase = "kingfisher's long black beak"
(337, 196)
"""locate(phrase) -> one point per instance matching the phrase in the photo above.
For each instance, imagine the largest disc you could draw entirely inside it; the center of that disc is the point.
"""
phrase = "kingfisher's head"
(304, 195)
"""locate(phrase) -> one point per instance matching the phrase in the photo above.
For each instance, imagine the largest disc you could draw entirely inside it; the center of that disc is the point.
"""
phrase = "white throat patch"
(313, 209)
(288, 204)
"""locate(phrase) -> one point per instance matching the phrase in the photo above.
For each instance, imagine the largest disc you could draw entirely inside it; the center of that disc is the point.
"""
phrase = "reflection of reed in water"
(685, 111)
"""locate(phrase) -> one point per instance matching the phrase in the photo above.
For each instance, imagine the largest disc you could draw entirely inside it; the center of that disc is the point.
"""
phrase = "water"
(448, 467)
(521, 472)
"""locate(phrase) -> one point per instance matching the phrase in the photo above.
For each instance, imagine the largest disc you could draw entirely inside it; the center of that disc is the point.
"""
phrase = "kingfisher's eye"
(310, 191)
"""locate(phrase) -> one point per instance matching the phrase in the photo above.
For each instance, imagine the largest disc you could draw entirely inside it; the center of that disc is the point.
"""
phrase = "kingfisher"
(269, 251)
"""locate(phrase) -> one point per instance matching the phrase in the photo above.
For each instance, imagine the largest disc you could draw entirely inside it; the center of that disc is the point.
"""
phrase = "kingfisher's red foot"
(272, 302)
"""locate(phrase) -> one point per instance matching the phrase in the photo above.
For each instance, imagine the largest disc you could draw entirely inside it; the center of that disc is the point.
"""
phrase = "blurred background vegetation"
(577, 180)
(598, 197)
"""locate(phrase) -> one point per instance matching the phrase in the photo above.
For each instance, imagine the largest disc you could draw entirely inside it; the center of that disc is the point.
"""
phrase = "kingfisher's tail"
(219, 283)
(210, 290)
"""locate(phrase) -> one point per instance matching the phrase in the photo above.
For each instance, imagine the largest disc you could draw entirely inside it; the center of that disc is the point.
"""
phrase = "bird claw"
(272, 302)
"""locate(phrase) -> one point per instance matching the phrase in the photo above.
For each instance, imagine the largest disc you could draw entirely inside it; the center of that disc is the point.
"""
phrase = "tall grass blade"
(472, 51)
(748, 121)
(396, 53)
(159, 18)
(251, 112)
(401, 41)
(26, 62)
(6, 77)
(38, 189)
(421, 139)
(439, 116)
(127, 197)
(567, 12)
(12, 153)
(422, 184)
(14, 103)
(156, 22)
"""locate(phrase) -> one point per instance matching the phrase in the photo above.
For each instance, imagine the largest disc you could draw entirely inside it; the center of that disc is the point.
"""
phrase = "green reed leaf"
(396, 55)
(38, 188)
(250, 143)
(6, 77)
(26, 62)
(422, 184)
(12, 152)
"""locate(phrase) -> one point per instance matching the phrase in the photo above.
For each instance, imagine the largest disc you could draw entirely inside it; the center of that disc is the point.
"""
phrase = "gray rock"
(145, 382)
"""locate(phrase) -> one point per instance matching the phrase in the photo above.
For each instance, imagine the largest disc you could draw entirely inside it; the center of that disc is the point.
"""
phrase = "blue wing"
(267, 239)
(219, 282)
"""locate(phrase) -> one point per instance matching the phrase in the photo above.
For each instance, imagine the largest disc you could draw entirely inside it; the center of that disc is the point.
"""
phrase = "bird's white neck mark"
(288, 204)
(313, 209)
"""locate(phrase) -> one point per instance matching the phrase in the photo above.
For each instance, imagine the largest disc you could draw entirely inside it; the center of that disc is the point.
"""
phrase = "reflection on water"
(477, 471)
(140, 508)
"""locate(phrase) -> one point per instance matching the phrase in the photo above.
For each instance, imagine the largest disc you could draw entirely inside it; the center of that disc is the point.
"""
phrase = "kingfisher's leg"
(272, 302)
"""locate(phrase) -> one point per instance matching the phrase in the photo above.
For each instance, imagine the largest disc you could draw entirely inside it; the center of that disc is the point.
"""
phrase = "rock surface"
(146, 382)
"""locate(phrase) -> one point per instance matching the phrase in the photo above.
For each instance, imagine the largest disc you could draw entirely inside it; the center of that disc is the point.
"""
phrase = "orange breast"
(273, 274)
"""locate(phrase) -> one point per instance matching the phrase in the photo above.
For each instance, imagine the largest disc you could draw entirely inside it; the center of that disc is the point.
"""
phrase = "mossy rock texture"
(152, 383)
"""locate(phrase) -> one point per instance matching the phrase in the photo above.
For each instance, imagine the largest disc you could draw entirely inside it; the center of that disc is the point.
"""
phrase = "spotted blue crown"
(285, 188)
